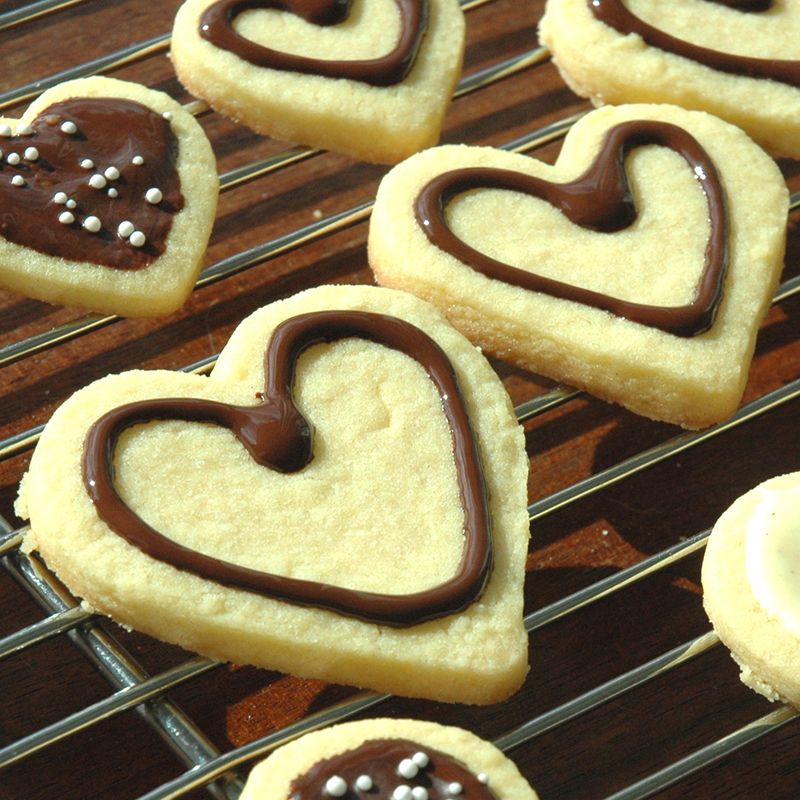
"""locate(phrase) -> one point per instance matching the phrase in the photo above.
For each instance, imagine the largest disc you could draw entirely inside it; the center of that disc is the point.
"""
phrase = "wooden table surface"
(592, 756)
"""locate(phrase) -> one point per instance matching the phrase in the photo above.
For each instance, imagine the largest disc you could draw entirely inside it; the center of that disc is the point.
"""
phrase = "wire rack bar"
(706, 756)
(661, 452)
(607, 691)
(39, 631)
(33, 11)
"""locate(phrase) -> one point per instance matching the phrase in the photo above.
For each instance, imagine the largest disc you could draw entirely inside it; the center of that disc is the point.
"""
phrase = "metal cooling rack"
(220, 771)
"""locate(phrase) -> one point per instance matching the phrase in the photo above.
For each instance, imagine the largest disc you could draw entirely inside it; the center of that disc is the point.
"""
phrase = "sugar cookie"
(369, 78)
(110, 194)
(374, 759)
(750, 586)
(390, 561)
(734, 58)
(602, 271)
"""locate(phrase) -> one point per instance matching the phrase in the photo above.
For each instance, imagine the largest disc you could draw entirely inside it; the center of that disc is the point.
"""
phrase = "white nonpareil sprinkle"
(483, 778)
(92, 224)
(97, 181)
(138, 160)
(153, 195)
(407, 768)
(112, 173)
(69, 127)
(60, 198)
(336, 786)
(87, 163)
(421, 759)
(454, 788)
(363, 783)
(419, 793)
(66, 218)
(13, 159)
(5, 130)
(402, 792)
(31, 154)
(125, 228)
(72, 204)
(18, 180)
(137, 239)
(25, 130)
(167, 115)
(112, 192)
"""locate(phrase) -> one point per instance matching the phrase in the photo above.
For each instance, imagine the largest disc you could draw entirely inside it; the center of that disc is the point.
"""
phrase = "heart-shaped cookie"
(350, 555)
(734, 58)
(750, 588)
(634, 268)
(369, 78)
(373, 758)
(108, 192)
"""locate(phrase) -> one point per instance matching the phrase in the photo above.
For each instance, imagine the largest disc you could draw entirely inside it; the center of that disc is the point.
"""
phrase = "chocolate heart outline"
(216, 26)
(578, 200)
(614, 14)
(290, 452)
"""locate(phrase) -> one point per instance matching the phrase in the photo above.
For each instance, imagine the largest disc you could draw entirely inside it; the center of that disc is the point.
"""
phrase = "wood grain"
(590, 757)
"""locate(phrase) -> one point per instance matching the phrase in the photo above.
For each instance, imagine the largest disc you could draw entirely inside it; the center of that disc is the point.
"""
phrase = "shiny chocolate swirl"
(601, 200)
(81, 169)
(278, 437)
(216, 26)
(616, 15)
(379, 761)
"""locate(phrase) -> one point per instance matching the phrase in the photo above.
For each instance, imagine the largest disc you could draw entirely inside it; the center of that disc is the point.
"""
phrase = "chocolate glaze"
(279, 437)
(216, 25)
(601, 200)
(110, 132)
(616, 15)
(379, 758)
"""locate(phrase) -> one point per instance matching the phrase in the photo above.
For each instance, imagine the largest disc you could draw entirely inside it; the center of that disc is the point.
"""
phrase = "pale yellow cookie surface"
(753, 604)
(272, 778)
(607, 66)
(692, 381)
(378, 508)
(163, 285)
(373, 123)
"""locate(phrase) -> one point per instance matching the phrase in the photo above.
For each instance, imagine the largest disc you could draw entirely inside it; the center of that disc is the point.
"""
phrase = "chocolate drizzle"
(216, 26)
(614, 14)
(277, 436)
(108, 132)
(379, 759)
(600, 200)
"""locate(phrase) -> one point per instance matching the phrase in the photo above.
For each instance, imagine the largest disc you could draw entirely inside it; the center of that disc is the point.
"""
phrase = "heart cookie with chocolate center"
(109, 192)
(369, 78)
(289, 502)
(633, 268)
(734, 58)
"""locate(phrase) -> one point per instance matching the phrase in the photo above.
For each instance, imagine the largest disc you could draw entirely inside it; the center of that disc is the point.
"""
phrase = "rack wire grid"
(629, 694)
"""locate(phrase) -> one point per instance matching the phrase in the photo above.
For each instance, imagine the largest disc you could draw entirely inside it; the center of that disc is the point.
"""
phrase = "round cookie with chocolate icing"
(368, 78)
(750, 586)
(109, 193)
(382, 759)
(343, 498)
(638, 267)
(736, 59)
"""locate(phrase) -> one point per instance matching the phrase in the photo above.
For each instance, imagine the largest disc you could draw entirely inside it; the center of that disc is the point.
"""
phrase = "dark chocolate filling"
(616, 15)
(277, 436)
(601, 200)
(110, 133)
(216, 26)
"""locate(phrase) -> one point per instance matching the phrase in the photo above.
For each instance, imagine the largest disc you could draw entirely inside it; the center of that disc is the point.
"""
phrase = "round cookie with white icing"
(734, 58)
(343, 498)
(751, 590)
(109, 192)
(638, 267)
(381, 759)
(368, 78)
